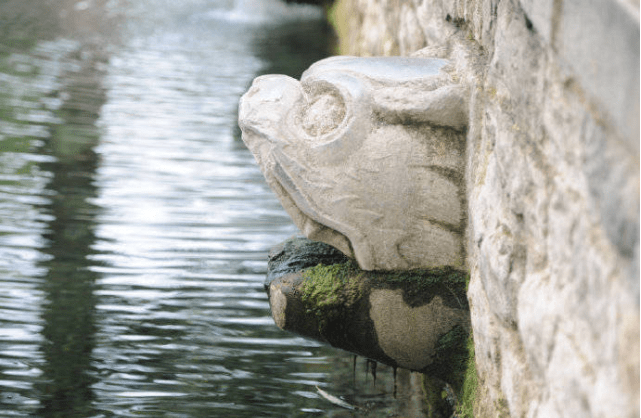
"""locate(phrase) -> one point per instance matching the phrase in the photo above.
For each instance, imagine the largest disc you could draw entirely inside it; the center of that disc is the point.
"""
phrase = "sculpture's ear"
(444, 106)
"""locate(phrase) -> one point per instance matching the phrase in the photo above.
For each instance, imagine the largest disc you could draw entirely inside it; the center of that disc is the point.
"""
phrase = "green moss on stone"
(436, 404)
(420, 285)
(462, 380)
(450, 357)
(467, 396)
(330, 291)
(425, 277)
(422, 280)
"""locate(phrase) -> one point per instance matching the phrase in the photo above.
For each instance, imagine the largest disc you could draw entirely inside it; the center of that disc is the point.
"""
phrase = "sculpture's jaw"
(305, 214)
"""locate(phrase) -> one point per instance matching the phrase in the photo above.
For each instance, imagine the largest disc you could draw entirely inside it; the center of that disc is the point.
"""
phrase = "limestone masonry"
(552, 189)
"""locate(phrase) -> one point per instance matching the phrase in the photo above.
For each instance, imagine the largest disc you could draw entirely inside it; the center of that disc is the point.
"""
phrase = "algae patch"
(420, 285)
(468, 394)
(332, 293)
(457, 398)
(329, 291)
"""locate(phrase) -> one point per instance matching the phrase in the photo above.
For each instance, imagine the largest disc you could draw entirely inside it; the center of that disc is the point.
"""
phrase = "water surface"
(134, 224)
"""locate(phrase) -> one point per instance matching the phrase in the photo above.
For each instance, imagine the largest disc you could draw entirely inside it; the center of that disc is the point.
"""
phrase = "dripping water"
(135, 225)
(395, 369)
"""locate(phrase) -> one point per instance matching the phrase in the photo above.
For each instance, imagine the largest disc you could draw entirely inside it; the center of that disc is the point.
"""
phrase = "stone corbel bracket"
(418, 320)
(367, 155)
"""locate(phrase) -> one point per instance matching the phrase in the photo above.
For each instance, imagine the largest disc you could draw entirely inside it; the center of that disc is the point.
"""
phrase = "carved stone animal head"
(367, 155)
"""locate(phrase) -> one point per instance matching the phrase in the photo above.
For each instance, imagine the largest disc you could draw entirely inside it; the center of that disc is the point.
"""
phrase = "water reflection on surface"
(134, 225)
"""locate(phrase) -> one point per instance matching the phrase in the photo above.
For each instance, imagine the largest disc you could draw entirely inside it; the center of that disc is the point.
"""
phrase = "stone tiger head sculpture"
(366, 155)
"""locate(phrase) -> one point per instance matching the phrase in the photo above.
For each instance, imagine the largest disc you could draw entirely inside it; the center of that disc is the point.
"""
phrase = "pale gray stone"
(366, 155)
(610, 76)
(393, 317)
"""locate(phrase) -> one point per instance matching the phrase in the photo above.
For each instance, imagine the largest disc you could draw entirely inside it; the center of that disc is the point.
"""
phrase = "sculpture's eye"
(324, 113)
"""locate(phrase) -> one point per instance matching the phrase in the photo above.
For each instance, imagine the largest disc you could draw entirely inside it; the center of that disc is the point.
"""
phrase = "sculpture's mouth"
(306, 213)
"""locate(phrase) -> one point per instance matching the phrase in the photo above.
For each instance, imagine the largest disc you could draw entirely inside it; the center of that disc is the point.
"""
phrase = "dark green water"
(134, 224)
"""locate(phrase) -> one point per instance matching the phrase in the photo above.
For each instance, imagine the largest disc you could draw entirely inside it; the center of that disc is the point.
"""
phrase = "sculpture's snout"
(265, 106)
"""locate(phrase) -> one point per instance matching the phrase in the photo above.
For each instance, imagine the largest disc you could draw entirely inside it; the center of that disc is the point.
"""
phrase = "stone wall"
(552, 187)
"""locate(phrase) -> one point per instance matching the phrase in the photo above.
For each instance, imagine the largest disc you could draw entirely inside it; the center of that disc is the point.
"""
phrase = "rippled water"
(134, 224)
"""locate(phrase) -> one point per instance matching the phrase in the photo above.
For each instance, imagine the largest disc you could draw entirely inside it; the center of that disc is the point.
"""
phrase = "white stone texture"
(553, 194)
(366, 155)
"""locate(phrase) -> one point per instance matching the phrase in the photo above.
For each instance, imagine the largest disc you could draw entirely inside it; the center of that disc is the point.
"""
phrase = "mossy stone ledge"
(416, 319)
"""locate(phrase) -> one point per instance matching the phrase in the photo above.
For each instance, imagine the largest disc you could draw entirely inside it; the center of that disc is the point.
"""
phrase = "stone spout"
(418, 320)
(367, 155)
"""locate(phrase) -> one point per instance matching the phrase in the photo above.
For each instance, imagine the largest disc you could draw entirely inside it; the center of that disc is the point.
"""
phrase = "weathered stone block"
(417, 320)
